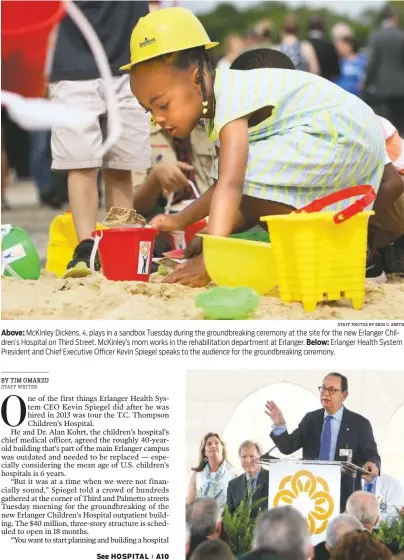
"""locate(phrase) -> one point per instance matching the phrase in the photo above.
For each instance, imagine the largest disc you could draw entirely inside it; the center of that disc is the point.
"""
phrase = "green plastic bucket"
(19, 255)
(262, 236)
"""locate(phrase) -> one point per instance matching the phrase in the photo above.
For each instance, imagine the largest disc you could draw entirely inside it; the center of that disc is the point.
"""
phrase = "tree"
(227, 18)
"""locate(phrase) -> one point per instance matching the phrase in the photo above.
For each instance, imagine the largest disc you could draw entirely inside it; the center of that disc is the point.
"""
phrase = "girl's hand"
(194, 248)
(167, 222)
(192, 273)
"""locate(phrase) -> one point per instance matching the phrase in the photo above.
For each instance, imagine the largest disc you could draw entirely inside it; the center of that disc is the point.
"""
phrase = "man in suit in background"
(331, 433)
(252, 485)
(204, 522)
(365, 507)
(389, 493)
(337, 528)
(282, 533)
(385, 73)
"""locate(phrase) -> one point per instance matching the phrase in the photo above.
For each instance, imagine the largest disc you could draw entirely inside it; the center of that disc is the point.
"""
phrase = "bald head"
(365, 507)
(284, 531)
(340, 526)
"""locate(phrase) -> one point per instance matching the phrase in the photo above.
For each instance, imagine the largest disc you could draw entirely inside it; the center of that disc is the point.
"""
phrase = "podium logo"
(309, 494)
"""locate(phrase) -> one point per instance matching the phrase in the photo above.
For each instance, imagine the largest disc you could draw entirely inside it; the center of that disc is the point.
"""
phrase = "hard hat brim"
(129, 66)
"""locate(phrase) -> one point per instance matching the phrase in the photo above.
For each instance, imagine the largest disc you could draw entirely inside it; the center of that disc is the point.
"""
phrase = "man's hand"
(192, 273)
(274, 413)
(373, 471)
(170, 176)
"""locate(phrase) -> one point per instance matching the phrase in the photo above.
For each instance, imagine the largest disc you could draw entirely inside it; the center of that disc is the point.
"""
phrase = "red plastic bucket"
(25, 33)
(126, 253)
(180, 239)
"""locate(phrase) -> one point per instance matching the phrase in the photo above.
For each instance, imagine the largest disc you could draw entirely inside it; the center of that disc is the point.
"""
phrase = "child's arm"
(390, 189)
(146, 194)
(199, 209)
(228, 192)
(196, 211)
(195, 247)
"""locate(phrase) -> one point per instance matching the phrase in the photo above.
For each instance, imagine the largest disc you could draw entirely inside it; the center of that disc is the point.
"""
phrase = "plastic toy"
(62, 242)
(228, 303)
(28, 38)
(25, 33)
(180, 239)
(239, 262)
(126, 253)
(261, 236)
(177, 254)
(19, 255)
(322, 255)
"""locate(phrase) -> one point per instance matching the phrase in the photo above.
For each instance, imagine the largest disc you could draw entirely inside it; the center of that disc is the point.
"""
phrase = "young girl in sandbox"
(285, 137)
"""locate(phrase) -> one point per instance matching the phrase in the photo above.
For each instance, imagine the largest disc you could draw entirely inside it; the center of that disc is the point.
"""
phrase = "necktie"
(249, 490)
(369, 487)
(325, 447)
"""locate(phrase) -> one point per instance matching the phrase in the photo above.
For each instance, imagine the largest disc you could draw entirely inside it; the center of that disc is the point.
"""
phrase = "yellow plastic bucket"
(62, 242)
(239, 263)
(322, 255)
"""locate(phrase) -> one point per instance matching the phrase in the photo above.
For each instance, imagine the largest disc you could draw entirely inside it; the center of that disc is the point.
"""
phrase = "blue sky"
(348, 7)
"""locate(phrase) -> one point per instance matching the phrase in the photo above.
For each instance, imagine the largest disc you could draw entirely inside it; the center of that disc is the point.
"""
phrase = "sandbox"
(98, 298)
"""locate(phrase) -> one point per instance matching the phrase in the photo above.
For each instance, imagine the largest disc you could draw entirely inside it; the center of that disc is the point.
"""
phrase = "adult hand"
(167, 222)
(373, 471)
(274, 413)
(170, 176)
(192, 273)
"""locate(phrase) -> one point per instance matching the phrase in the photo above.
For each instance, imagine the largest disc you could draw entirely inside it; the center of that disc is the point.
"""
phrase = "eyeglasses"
(329, 390)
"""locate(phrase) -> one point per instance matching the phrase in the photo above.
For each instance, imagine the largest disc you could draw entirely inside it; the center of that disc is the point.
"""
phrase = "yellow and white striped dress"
(319, 138)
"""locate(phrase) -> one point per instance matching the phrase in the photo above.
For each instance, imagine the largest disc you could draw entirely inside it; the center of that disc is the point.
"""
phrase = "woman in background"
(300, 53)
(213, 473)
(326, 55)
(352, 64)
(234, 46)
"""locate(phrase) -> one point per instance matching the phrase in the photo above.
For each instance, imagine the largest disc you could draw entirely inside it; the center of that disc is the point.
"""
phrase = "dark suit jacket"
(236, 492)
(320, 552)
(355, 433)
(195, 541)
(386, 62)
(259, 555)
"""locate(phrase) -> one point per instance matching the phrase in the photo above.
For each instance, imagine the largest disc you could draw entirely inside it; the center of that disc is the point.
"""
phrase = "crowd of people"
(217, 489)
(331, 138)
(281, 533)
(374, 72)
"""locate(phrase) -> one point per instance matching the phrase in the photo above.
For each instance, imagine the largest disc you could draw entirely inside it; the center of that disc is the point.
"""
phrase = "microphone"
(266, 456)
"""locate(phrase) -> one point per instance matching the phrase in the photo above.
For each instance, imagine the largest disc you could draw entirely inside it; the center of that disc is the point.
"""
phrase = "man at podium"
(332, 433)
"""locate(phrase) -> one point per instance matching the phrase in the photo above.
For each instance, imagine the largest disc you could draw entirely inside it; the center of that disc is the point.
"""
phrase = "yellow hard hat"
(166, 31)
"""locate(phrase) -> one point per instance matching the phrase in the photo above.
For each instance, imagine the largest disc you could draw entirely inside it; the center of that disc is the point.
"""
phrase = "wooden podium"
(311, 487)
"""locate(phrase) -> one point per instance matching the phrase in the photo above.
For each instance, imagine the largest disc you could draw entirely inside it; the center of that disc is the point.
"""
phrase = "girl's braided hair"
(185, 59)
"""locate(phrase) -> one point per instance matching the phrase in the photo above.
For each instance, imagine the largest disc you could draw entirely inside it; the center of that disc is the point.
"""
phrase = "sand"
(123, 217)
(98, 298)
